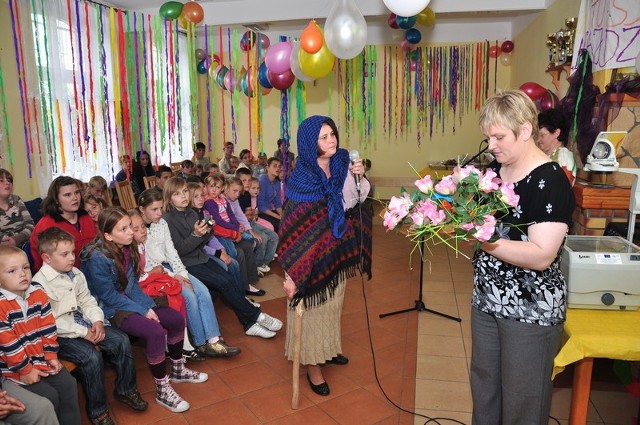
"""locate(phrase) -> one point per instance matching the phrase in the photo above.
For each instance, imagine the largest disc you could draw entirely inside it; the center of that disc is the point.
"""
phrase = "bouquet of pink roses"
(459, 207)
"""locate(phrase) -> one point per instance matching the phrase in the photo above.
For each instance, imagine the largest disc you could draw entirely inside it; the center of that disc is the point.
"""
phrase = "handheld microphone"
(354, 155)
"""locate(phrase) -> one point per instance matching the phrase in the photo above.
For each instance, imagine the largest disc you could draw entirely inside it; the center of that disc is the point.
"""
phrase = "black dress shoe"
(320, 389)
(339, 360)
(258, 293)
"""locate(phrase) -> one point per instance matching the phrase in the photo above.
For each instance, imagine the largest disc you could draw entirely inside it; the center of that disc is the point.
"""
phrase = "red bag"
(161, 284)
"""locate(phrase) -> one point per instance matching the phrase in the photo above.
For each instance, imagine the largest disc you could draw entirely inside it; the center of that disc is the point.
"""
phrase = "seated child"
(194, 296)
(214, 248)
(94, 205)
(28, 343)
(19, 406)
(97, 187)
(269, 200)
(199, 154)
(261, 167)
(267, 243)
(220, 210)
(186, 169)
(82, 335)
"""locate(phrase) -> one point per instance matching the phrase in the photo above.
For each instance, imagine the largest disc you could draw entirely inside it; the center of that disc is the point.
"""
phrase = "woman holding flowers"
(319, 246)
(519, 296)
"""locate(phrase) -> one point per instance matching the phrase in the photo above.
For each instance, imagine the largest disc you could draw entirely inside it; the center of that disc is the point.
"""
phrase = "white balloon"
(345, 30)
(295, 64)
(406, 8)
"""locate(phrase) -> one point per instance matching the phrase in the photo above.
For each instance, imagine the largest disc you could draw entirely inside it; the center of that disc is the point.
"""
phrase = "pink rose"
(487, 229)
(397, 210)
(489, 182)
(508, 194)
(446, 186)
(417, 218)
(425, 184)
(466, 226)
(429, 209)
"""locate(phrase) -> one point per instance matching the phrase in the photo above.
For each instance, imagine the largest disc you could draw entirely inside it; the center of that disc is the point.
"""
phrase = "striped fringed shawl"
(314, 258)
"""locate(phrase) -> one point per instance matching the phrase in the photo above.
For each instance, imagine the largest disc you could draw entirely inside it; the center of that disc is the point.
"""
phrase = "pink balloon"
(391, 20)
(230, 82)
(534, 90)
(278, 57)
(413, 65)
(281, 81)
(507, 46)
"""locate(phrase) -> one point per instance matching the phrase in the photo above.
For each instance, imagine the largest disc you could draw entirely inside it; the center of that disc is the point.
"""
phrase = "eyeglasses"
(326, 136)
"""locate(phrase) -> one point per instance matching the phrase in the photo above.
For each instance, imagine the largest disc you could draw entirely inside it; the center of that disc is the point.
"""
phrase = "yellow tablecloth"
(599, 333)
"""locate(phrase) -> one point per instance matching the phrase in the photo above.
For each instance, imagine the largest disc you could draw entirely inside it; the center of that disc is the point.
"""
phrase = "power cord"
(373, 354)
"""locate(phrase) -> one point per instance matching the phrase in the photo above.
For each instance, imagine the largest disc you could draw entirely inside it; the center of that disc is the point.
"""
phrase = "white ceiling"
(456, 20)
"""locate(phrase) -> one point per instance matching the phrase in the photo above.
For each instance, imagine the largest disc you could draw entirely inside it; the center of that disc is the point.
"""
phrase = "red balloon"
(494, 51)
(548, 100)
(391, 20)
(281, 81)
(507, 46)
(534, 90)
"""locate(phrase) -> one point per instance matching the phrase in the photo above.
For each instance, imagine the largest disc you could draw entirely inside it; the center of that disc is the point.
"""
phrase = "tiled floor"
(421, 359)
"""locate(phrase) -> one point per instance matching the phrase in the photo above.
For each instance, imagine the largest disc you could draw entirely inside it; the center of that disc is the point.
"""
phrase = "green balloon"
(171, 9)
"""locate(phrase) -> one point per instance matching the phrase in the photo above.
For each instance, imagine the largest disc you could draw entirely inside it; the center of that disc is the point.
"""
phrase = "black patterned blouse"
(508, 291)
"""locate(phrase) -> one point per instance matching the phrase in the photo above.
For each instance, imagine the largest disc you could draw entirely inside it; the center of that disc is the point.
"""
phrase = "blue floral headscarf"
(309, 183)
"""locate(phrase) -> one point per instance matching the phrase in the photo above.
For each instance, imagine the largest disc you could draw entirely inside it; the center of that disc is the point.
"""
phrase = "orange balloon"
(193, 12)
(311, 39)
(494, 51)
(265, 91)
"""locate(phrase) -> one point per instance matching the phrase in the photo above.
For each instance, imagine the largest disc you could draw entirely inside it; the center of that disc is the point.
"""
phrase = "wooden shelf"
(555, 71)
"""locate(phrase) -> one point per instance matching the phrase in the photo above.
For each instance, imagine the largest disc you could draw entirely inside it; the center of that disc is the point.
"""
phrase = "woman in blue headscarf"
(320, 233)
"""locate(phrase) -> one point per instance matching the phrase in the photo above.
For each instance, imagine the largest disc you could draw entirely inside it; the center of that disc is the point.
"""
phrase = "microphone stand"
(419, 304)
(480, 152)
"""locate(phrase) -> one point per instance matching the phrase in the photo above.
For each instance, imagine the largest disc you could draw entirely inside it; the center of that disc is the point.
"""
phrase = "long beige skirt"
(321, 334)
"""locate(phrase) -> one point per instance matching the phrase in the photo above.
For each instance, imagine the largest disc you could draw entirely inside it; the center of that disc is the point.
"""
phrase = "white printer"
(602, 272)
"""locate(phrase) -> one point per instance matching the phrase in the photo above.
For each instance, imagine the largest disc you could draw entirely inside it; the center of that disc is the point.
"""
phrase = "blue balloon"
(413, 36)
(202, 67)
(262, 76)
(405, 22)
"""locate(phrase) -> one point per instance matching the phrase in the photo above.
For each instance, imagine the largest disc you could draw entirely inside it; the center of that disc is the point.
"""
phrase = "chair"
(176, 167)
(125, 195)
(149, 182)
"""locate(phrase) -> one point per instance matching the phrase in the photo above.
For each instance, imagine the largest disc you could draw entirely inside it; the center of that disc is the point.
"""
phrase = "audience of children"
(82, 335)
(269, 199)
(96, 314)
(111, 264)
(189, 236)
(16, 223)
(201, 317)
(64, 207)
(28, 338)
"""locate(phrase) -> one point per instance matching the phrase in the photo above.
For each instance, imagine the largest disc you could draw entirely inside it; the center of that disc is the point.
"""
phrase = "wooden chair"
(125, 195)
(176, 167)
(149, 182)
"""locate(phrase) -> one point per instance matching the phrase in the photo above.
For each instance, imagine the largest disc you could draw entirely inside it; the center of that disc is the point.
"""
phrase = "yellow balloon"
(426, 18)
(316, 65)
(182, 22)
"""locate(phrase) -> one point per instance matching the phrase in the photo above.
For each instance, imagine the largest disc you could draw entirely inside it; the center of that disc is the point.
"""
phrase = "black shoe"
(193, 356)
(339, 360)
(320, 389)
(133, 400)
(258, 293)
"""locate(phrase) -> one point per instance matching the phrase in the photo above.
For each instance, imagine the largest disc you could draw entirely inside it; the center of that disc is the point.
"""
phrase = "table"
(590, 334)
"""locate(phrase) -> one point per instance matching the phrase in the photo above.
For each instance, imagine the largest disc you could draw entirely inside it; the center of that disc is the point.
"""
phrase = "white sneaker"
(260, 273)
(257, 330)
(269, 322)
(264, 268)
(253, 302)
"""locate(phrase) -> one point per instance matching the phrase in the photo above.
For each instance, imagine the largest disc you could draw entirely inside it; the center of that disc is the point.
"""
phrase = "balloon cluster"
(542, 97)
(411, 36)
(190, 12)
(506, 47)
